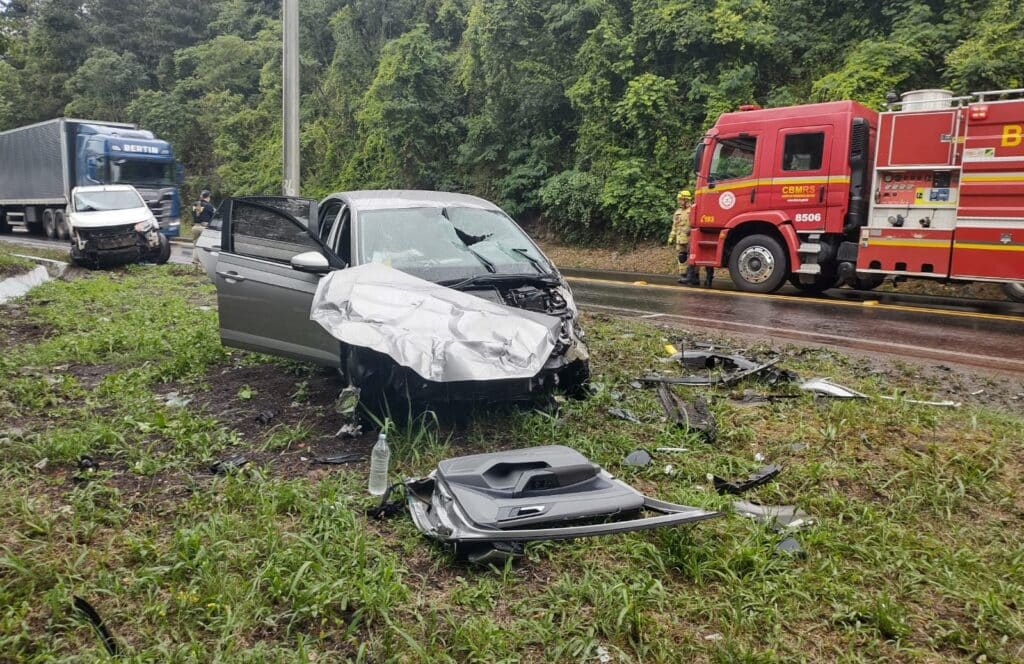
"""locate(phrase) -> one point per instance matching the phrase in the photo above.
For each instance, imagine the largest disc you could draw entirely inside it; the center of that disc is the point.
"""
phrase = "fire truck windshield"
(733, 158)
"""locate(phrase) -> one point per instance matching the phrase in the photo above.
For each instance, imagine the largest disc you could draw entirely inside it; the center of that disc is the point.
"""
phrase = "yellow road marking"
(813, 300)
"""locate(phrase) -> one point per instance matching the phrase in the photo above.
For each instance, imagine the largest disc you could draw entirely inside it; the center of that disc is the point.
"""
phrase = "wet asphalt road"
(980, 333)
(976, 333)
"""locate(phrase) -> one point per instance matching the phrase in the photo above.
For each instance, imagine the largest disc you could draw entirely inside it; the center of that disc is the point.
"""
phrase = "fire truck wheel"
(821, 283)
(49, 229)
(868, 281)
(1014, 291)
(758, 264)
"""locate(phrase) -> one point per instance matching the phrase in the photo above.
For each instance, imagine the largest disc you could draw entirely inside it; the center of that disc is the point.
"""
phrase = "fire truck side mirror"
(698, 157)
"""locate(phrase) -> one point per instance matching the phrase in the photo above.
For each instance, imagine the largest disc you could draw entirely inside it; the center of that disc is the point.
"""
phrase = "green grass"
(917, 553)
(10, 264)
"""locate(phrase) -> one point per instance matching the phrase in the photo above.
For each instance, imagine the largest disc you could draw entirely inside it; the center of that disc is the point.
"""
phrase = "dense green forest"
(579, 113)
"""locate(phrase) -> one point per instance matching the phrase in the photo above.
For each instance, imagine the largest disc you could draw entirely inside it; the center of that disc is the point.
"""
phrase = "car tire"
(49, 230)
(61, 224)
(1014, 291)
(574, 380)
(163, 252)
(821, 283)
(758, 264)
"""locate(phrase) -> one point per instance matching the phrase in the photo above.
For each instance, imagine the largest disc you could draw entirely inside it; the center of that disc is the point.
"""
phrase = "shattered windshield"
(96, 201)
(442, 244)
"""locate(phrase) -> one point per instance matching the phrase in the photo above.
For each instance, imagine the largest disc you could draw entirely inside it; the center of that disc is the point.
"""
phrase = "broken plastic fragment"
(639, 457)
(175, 400)
(624, 414)
(825, 387)
(692, 417)
(224, 466)
(776, 516)
(736, 487)
(349, 430)
(94, 619)
(347, 401)
(265, 416)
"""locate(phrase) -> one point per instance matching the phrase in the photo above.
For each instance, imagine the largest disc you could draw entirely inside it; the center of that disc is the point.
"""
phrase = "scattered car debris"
(779, 517)
(752, 398)
(640, 457)
(790, 547)
(225, 466)
(636, 385)
(690, 416)
(825, 387)
(265, 416)
(349, 430)
(87, 464)
(41, 464)
(340, 459)
(90, 613)
(484, 502)
(671, 449)
(738, 367)
(940, 404)
(347, 401)
(624, 414)
(736, 487)
(175, 400)
(758, 457)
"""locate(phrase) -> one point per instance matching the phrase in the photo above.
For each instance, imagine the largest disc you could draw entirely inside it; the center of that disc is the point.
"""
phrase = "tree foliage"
(581, 113)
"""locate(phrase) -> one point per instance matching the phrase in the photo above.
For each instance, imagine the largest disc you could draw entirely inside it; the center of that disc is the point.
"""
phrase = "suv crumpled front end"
(513, 339)
(116, 245)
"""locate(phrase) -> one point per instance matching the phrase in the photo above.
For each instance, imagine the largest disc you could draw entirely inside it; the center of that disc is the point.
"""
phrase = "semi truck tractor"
(836, 193)
(40, 164)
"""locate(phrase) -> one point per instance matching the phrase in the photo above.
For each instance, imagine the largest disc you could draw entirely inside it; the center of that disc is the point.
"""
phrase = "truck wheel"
(163, 252)
(868, 281)
(62, 225)
(48, 227)
(1014, 291)
(822, 282)
(758, 264)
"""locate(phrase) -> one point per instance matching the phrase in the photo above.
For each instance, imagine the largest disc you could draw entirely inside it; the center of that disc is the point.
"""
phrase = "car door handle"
(230, 277)
(753, 194)
(821, 193)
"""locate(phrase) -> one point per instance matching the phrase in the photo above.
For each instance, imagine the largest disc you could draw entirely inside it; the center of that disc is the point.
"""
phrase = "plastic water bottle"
(380, 456)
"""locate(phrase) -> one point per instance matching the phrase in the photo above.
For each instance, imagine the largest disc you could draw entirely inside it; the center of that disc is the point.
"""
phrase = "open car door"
(264, 301)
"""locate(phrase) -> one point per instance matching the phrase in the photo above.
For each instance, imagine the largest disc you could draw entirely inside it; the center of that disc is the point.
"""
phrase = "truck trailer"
(41, 163)
(832, 194)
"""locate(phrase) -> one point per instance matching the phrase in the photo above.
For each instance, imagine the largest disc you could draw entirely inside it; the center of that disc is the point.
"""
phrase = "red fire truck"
(835, 193)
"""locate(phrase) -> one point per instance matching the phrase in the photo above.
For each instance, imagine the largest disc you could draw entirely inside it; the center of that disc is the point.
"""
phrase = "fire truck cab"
(835, 193)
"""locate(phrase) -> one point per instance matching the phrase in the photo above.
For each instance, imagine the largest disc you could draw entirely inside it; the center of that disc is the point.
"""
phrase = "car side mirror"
(311, 261)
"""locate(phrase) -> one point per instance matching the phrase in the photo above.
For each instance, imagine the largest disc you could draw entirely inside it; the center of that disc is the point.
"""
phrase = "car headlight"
(146, 225)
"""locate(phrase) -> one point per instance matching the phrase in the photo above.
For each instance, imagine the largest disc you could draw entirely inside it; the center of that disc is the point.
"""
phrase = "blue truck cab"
(115, 155)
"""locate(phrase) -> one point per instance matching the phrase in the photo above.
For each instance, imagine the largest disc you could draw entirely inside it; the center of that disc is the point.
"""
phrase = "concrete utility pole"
(290, 97)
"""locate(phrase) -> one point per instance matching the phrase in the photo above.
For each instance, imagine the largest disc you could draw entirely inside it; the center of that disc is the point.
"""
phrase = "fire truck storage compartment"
(917, 138)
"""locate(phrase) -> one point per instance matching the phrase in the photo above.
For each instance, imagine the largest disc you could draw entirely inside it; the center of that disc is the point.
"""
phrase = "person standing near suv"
(680, 235)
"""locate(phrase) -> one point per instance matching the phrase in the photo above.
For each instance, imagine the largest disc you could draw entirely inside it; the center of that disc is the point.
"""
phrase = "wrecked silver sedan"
(426, 295)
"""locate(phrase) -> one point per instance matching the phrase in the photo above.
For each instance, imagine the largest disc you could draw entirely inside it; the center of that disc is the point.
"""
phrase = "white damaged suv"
(112, 225)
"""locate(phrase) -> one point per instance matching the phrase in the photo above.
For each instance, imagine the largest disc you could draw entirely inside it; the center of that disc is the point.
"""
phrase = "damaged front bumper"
(115, 245)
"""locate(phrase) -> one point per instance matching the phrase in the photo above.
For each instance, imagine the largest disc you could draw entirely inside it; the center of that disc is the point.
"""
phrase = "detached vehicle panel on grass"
(397, 258)
(112, 225)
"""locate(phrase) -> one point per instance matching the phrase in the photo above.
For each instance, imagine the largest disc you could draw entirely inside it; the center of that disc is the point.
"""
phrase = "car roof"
(103, 187)
(389, 199)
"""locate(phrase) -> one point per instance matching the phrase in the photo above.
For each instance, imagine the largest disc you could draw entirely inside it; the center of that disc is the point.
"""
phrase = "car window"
(342, 242)
(96, 201)
(296, 207)
(262, 232)
(440, 244)
(803, 152)
(733, 158)
(328, 217)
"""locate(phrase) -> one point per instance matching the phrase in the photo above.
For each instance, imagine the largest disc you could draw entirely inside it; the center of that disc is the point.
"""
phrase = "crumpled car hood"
(442, 334)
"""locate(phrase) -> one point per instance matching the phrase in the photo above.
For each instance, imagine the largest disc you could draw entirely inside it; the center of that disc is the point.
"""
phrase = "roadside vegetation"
(10, 264)
(916, 554)
(582, 112)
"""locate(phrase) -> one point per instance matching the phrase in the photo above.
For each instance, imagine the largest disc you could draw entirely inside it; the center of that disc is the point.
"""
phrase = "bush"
(571, 202)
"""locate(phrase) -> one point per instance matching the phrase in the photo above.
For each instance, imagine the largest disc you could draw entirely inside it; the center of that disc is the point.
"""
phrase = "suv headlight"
(147, 225)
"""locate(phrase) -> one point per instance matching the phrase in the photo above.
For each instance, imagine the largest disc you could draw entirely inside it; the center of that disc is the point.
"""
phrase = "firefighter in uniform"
(680, 235)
